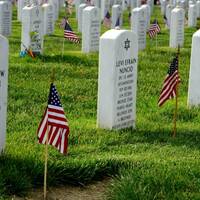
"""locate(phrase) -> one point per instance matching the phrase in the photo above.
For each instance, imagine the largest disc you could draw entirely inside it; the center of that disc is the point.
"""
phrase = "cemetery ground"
(145, 163)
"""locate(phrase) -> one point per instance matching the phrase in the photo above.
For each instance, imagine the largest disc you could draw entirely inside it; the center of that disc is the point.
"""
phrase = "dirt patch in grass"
(95, 191)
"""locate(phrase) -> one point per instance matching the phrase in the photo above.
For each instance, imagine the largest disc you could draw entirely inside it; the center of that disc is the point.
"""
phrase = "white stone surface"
(118, 2)
(3, 89)
(163, 7)
(32, 29)
(77, 4)
(177, 27)
(192, 15)
(20, 5)
(5, 18)
(97, 3)
(117, 82)
(116, 13)
(138, 26)
(61, 3)
(55, 4)
(48, 19)
(133, 4)
(169, 9)
(139, 3)
(198, 9)
(124, 5)
(90, 29)
(105, 6)
(151, 4)
(147, 11)
(80, 16)
(194, 78)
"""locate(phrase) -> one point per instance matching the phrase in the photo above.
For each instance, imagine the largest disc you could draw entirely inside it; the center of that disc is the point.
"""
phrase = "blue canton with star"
(54, 99)
(173, 66)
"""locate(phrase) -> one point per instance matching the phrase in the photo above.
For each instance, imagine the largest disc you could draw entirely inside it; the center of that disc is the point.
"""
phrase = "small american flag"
(70, 35)
(107, 20)
(171, 81)
(154, 29)
(54, 126)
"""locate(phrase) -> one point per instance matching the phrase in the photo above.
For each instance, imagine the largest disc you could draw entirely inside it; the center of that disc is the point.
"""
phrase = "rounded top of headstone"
(89, 8)
(136, 9)
(113, 34)
(83, 5)
(116, 6)
(197, 34)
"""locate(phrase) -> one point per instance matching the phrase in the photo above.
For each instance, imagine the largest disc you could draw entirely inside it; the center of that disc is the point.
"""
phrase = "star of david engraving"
(127, 44)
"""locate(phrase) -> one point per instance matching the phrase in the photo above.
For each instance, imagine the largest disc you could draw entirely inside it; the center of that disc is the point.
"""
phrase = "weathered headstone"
(3, 89)
(48, 19)
(138, 26)
(80, 16)
(91, 29)
(177, 27)
(151, 4)
(116, 14)
(105, 6)
(117, 82)
(194, 78)
(32, 29)
(55, 4)
(5, 18)
(192, 15)
(20, 5)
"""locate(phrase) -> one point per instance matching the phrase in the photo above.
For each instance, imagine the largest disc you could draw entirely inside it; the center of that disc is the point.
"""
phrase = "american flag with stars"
(154, 29)
(69, 34)
(54, 127)
(169, 89)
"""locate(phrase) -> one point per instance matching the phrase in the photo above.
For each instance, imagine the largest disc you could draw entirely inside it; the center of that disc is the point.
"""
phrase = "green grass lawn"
(146, 163)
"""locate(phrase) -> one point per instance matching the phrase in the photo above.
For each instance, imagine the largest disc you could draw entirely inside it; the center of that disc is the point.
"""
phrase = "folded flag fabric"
(54, 128)
(69, 34)
(154, 29)
(169, 89)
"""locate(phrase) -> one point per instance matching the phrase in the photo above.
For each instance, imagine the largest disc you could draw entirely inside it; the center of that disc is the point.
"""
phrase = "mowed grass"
(146, 163)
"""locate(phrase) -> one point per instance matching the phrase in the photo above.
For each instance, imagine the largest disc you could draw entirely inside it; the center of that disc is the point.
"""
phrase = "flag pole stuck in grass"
(53, 128)
(170, 87)
(176, 100)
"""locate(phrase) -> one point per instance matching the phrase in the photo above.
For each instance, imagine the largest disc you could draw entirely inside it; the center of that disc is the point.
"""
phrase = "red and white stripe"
(169, 88)
(71, 36)
(54, 125)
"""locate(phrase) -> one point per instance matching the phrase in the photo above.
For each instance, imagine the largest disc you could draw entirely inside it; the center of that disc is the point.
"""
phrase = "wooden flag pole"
(176, 99)
(46, 147)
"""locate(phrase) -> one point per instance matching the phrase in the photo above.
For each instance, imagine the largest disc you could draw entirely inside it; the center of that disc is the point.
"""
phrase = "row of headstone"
(5, 18)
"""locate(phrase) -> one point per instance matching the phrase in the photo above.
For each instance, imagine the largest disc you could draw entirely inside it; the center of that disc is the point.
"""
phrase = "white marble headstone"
(116, 13)
(117, 82)
(3, 89)
(177, 27)
(55, 4)
(138, 26)
(192, 15)
(163, 7)
(32, 29)
(90, 29)
(48, 19)
(20, 5)
(194, 77)
(133, 4)
(80, 16)
(5, 18)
